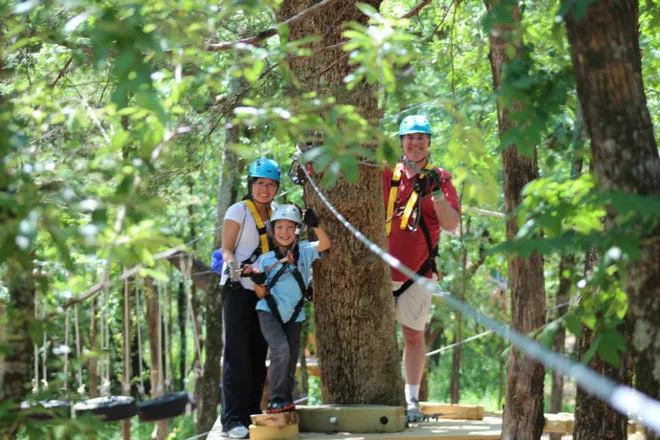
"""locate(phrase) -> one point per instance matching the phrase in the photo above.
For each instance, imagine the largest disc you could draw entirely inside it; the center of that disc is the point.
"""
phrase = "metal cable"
(622, 398)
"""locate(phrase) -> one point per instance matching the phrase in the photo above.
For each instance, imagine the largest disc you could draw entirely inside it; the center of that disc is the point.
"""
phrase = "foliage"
(112, 113)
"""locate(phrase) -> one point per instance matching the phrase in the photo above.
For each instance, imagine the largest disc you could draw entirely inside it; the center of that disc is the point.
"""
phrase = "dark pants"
(284, 343)
(244, 357)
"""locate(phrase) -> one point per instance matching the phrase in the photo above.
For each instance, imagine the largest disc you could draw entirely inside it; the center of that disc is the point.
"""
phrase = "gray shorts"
(412, 307)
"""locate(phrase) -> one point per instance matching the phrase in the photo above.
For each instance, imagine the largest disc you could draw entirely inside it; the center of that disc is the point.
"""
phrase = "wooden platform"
(487, 429)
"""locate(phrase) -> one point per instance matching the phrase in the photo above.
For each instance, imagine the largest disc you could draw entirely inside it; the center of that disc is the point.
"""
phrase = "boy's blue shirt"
(286, 291)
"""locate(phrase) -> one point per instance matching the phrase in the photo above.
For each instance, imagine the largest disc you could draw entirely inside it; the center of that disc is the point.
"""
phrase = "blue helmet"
(264, 167)
(415, 124)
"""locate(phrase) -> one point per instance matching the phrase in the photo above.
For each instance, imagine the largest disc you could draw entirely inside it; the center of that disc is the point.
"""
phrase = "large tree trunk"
(354, 310)
(607, 64)
(155, 359)
(208, 408)
(523, 409)
(594, 419)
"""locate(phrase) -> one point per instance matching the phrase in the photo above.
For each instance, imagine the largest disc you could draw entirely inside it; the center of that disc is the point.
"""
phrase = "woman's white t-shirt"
(248, 238)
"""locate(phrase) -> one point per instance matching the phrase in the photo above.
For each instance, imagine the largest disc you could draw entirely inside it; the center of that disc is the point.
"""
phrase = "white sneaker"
(413, 413)
(238, 431)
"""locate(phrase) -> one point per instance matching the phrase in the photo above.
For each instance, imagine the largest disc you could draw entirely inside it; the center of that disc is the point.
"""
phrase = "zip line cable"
(480, 335)
(620, 397)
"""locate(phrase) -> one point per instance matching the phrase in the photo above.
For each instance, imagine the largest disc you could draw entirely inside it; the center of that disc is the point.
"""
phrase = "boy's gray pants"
(284, 344)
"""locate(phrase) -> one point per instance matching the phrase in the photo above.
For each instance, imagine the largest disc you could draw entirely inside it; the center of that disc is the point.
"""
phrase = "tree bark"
(182, 307)
(594, 419)
(208, 409)
(92, 369)
(153, 333)
(523, 409)
(607, 64)
(354, 310)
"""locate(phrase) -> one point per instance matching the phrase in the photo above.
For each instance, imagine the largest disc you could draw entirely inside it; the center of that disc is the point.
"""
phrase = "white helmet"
(285, 212)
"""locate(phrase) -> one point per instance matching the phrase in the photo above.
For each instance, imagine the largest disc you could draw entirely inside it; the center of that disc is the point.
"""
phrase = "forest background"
(126, 128)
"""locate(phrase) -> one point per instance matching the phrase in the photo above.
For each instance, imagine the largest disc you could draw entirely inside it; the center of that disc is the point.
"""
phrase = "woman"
(244, 238)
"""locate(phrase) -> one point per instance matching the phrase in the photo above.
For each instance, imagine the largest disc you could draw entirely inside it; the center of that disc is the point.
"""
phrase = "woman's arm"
(324, 241)
(230, 229)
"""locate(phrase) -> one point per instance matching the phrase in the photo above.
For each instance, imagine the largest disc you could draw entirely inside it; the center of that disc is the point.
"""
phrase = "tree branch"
(263, 35)
(415, 11)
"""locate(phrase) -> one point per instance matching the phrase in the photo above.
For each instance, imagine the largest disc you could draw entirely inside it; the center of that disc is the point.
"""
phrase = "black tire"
(47, 409)
(110, 408)
(165, 407)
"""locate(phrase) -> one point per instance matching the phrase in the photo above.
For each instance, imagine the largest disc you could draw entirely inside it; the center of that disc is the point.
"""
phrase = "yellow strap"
(263, 236)
(394, 193)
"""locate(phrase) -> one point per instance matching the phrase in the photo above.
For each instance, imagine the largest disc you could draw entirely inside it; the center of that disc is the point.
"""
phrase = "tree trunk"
(354, 310)
(20, 313)
(153, 333)
(557, 390)
(594, 419)
(92, 370)
(523, 409)
(607, 64)
(207, 411)
(182, 307)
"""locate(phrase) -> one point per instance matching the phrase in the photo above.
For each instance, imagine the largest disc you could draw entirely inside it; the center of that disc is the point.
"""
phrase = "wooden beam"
(279, 419)
(352, 418)
(561, 423)
(452, 411)
(284, 432)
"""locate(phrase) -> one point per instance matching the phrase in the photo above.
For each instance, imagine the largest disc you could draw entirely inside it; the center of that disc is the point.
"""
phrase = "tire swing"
(171, 404)
(112, 408)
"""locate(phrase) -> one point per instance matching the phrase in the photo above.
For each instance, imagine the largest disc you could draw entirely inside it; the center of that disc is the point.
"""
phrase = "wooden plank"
(284, 432)
(216, 431)
(452, 411)
(561, 423)
(279, 419)
(351, 418)
(488, 429)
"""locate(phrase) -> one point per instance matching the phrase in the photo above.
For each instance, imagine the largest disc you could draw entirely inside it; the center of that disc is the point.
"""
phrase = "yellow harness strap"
(263, 235)
(394, 194)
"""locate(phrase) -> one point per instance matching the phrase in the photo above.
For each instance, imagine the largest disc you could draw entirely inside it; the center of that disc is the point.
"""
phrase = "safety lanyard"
(263, 235)
(394, 194)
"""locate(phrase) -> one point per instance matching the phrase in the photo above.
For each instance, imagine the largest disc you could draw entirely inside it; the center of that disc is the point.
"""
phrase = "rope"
(622, 398)
(480, 335)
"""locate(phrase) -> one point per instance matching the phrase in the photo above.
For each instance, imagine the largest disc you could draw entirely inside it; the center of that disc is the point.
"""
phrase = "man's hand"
(310, 218)
(428, 184)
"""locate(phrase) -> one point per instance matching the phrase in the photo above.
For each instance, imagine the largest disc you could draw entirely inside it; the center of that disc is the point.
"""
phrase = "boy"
(282, 278)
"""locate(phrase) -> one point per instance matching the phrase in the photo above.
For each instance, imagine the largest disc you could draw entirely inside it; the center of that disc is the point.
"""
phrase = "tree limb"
(263, 35)
(415, 11)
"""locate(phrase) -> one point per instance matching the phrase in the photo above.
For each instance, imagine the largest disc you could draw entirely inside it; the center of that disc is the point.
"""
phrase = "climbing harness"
(291, 265)
(412, 208)
(411, 205)
(261, 228)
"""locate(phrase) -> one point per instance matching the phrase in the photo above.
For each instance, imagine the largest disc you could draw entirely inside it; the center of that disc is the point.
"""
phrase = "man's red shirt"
(410, 247)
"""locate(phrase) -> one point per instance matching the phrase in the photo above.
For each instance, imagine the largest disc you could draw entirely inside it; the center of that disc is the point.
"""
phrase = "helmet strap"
(415, 165)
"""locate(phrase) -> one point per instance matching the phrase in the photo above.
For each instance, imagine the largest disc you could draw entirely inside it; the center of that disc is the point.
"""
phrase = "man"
(419, 199)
